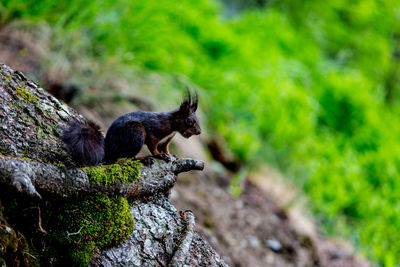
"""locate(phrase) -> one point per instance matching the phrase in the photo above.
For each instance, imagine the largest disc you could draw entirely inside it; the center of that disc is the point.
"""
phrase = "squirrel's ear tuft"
(195, 103)
(186, 103)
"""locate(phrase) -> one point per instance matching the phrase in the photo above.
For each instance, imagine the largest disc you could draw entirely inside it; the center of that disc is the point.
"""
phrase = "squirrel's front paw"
(165, 157)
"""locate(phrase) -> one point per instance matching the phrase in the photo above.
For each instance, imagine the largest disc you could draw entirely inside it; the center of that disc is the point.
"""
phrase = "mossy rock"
(123, 171)
(84, 227)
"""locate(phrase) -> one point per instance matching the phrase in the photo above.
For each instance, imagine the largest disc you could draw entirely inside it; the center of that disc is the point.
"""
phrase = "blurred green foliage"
(311, 87)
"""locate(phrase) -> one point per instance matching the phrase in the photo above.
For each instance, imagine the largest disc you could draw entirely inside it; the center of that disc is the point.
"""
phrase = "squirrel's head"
(187, 122)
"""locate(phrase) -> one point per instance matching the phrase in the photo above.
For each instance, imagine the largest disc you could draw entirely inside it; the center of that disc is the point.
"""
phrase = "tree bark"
(31, 120)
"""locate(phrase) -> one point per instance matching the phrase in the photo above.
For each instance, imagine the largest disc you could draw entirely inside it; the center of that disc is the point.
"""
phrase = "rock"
(274, 245)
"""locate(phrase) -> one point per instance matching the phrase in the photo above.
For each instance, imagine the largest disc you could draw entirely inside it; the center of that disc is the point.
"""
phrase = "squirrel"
(127, 134)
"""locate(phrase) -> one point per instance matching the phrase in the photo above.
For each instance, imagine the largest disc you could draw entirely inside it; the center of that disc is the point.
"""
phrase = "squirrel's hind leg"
(163, 147)
(152, 144)
(124, 142)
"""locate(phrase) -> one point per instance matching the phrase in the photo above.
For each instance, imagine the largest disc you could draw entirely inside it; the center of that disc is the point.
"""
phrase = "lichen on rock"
(26, 95)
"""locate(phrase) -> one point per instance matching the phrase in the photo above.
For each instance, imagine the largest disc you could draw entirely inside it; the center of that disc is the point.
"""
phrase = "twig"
(183, 248)
(76, 233)
(39, 219)
(30, 255)
(40, 222)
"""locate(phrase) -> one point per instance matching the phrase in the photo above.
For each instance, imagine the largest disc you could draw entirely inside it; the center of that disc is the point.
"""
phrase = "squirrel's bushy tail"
(84, 142)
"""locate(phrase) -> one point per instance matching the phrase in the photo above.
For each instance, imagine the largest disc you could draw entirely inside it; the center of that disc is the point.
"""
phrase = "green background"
(310, 87)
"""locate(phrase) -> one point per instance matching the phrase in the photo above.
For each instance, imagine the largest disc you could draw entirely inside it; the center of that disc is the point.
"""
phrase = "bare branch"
(183, 248)
(29, 177)
(76, 233)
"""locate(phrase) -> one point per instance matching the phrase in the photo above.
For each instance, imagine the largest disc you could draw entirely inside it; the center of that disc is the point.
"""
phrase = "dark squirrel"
(128, 133)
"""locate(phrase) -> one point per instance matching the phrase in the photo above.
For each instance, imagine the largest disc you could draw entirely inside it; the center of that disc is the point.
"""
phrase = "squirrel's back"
(85, 143)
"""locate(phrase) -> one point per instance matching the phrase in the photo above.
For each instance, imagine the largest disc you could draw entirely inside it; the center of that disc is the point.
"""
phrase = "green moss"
(58, 164)
(26, 95)
(40, 134)
(26, 118)
(123, 171)
(42, 131)
(48, 112)
(86, 226)
(8, 238)
(16, 105)
(26, 150)
(46, 129)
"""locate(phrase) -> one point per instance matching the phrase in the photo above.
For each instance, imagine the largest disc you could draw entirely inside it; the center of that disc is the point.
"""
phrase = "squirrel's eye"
(189, 121)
